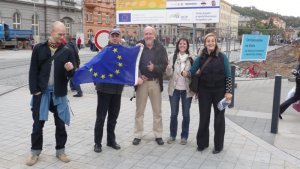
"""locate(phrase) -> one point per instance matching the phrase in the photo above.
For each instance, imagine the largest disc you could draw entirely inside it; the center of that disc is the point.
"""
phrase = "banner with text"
(167, 11)
(254, 47)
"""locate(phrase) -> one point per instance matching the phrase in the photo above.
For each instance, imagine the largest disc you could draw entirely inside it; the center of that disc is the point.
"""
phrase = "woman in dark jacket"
(214, 85)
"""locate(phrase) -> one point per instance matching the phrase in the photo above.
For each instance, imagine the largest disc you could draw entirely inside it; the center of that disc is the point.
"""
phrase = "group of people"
(53, 64)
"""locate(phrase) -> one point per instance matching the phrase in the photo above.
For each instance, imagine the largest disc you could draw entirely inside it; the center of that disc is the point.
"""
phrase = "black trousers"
(107, 104)
(38, 125)
(206, 99)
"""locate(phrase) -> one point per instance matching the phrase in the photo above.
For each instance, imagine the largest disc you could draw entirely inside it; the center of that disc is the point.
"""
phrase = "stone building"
(38, 15)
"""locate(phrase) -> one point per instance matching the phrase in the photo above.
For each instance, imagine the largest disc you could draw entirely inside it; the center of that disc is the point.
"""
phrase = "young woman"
(179, 89)
(214, 84)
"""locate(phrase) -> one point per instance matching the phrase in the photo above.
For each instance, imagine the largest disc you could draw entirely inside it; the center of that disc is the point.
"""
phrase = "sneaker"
(183, 141)
(63, 157)
(32, 160)
(170, 140)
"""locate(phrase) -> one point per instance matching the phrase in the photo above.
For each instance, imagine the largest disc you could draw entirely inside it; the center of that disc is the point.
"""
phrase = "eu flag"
(114, 64)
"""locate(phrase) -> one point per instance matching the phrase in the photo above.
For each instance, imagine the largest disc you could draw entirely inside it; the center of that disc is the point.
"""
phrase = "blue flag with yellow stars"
(114, 64)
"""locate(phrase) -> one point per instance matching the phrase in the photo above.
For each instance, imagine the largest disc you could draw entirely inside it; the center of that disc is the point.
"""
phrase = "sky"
(285, 7)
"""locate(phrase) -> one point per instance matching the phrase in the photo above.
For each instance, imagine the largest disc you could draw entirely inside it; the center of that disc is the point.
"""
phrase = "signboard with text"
(254, 47)
(167, 11)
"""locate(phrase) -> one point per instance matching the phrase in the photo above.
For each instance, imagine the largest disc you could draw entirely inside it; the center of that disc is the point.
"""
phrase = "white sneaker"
(183, 141)
(63, 157)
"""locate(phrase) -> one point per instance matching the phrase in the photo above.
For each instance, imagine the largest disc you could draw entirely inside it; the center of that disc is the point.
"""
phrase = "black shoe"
(201, 148)
(159, 141)
(216, 151)
(78, 95)
(97, 148)
(114, 146)
(136, 141)
(280, 116)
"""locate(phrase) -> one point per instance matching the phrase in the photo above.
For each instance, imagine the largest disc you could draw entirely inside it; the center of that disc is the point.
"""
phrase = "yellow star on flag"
(102, 76)
(120, 64)
(110, 75)
(117, 71)
(115, 50)
(91, 69)
(95, 74)
(119, 57)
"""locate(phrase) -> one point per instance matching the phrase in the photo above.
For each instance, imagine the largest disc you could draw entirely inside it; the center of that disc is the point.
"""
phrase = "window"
(16, 21)
(89, 17)
(35, 25)
(68, 27)
(89, 33)
(99, 17)
(107, 19)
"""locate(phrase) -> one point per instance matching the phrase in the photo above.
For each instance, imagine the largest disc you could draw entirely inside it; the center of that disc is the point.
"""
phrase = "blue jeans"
(186, 104)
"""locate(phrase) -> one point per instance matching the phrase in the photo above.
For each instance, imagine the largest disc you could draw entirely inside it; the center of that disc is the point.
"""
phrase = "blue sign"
(254, 47)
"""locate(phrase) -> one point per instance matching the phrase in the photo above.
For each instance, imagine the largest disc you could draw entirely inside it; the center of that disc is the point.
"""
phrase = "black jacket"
(40, 66)
(160, 61)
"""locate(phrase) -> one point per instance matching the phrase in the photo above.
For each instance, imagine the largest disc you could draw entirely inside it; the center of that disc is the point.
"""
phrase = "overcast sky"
(285, 7)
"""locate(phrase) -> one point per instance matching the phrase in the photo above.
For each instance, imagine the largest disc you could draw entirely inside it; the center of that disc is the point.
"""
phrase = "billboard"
(167, 11)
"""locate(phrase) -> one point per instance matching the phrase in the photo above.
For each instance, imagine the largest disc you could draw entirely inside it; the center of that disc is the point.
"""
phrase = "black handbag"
(195, 78)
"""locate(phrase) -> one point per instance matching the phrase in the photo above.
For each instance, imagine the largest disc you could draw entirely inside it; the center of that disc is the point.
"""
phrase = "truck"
(14, 37)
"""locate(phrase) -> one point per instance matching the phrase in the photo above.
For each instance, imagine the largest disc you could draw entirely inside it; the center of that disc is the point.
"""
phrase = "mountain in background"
(260, 15)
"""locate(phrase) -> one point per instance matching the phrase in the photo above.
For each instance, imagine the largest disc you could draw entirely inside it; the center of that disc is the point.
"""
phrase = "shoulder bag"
(195, 78)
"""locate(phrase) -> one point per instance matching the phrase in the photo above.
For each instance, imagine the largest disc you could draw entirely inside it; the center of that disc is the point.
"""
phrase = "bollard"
(276, 103)
(231, 105)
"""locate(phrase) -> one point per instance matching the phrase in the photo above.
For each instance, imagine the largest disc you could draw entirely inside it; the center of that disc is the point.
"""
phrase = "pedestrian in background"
(108, 102)
(153, 63)
(78, 43)
(179, 89)
(296, 96)
(75, 51)
(51, 67)
(214, 85)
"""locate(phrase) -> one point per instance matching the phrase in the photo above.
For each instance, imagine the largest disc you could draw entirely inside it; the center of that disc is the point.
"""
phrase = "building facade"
(38, 15)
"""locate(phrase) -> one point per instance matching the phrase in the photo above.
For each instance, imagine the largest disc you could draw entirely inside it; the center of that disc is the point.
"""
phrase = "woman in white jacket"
(179, 89)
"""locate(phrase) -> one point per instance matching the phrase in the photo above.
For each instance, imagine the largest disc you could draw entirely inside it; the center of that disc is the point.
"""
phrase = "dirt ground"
(280, 61)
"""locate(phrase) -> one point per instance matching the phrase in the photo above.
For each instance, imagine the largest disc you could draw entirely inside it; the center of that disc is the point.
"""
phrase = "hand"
(140, 44)
(140, 81)
(150, 66)
(228, 96)
(184, 73)
(69, 66)
(144, 78)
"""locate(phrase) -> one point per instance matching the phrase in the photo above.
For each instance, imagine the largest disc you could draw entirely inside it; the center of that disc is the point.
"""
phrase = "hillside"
(259, 15)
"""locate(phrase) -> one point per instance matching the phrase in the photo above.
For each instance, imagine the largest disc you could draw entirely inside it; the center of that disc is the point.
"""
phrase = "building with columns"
(38, 15)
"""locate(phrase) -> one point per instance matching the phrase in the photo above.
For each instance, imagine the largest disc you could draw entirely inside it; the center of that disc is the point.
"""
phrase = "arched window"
(89, 33)
(16, 21)
(35, 24)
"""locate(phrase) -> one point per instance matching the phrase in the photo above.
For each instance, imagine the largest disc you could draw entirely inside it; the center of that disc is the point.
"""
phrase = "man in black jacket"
(109, 102)
(153, 63)
(50, 69)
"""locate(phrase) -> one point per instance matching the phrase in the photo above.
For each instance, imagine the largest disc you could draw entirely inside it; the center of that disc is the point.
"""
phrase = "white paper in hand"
(223, 104)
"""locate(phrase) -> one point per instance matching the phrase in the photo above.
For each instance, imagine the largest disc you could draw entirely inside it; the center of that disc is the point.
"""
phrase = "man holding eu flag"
(108, 102)
(153, 63)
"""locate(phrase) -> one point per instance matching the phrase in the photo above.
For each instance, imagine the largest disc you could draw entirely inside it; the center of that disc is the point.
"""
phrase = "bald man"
(50, 69)
(153, 63)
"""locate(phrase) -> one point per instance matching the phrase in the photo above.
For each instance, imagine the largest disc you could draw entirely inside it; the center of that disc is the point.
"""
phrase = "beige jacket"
(172, 76)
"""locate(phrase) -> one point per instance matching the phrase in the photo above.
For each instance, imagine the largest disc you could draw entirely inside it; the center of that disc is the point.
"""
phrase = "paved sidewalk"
(242, 149)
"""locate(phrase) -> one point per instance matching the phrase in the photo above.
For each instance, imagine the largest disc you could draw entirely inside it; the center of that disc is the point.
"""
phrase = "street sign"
(101, 39)
(254, 47)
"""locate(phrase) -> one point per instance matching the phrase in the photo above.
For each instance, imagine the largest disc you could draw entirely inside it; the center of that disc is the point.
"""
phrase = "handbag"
(195, 78)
